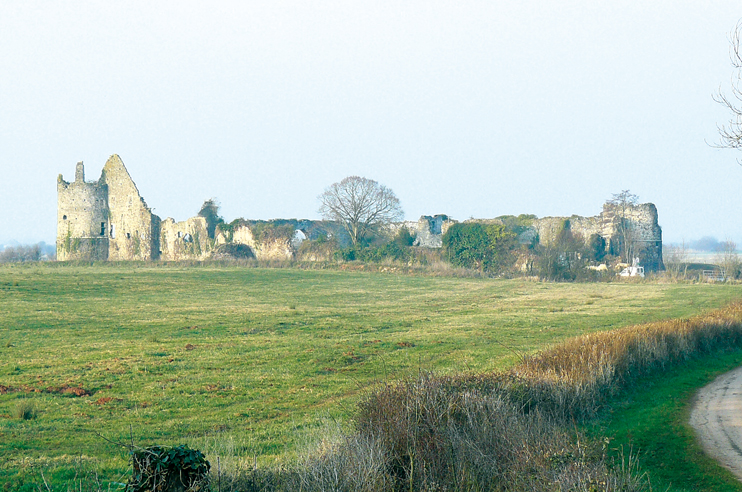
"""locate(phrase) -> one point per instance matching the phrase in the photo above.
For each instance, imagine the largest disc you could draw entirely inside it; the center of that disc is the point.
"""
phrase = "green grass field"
(260, 357)
(651, 420)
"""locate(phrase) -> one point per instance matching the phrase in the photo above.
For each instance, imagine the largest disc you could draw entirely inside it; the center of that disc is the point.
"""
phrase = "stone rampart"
(428, 230)
(268, 240)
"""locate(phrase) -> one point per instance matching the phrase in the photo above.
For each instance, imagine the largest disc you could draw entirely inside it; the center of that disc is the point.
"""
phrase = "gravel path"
(717, 419)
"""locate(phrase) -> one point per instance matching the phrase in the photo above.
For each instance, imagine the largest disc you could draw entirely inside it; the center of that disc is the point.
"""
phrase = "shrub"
(210, 211)
(399, 249)
(485, 247)
(404, 238)
(320, 249)
(566, 257)
(168, 469)
(235, 251)
(595, 248)
(517, 224)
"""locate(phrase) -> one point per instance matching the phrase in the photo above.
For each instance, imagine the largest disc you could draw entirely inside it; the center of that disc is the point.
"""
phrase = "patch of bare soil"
(65, 389)
(717, 420)
(68, 390)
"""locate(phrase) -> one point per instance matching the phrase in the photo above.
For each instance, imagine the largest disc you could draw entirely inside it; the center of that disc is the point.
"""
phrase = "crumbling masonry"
(107, 220)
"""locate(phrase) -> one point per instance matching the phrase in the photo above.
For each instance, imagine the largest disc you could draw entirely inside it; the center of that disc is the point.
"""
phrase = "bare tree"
(622, 203)
(361, 205)
(676, 260)
(728, 259)
(731, 133)
(20, 254)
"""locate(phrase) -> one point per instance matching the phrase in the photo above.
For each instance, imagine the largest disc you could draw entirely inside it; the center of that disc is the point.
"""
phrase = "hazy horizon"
(472, 109)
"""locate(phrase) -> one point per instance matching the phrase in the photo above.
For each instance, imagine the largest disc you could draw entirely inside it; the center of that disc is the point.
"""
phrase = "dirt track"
(717, 419)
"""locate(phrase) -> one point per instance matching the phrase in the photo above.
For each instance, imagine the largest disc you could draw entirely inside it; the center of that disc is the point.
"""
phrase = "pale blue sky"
(473, 109)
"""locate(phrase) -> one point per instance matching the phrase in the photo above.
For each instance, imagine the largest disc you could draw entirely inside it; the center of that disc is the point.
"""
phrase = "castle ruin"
(636, 224)
(105, 219)
(108, 220)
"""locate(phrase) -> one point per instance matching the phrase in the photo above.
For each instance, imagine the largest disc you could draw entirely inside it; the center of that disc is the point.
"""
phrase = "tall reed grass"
(512, 430)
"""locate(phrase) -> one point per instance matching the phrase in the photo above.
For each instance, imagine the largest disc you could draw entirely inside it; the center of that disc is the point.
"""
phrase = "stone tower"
(106, 219)
(82, 218)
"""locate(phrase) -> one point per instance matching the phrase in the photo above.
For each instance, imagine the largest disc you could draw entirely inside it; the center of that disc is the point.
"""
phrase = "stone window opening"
(179, 234)
(113, 231)
(128, 235)
(102, 228)
(64, 217)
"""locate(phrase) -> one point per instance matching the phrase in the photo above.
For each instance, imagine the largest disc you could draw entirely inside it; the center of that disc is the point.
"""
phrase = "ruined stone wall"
(186, 240)
(109, 220)
(641, 222)
(274, 250)
(428, 230)
(132, 230)
(587, 226)
(82, 218)
(643, 231)
(267, 249)
(548, 228)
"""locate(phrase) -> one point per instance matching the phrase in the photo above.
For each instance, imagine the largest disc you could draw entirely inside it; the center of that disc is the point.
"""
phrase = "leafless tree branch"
(731, 132)
(361, 205)
(622, 203)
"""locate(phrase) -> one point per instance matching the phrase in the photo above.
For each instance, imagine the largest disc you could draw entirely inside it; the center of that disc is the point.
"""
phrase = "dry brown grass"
(574, 377)
(512, 430)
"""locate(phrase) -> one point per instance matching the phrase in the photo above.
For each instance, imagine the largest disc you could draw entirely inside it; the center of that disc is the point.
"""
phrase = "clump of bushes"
(322, 248)
(21, 254)
(169, 469)
(484, 247)
(233, 251)
(399, 249)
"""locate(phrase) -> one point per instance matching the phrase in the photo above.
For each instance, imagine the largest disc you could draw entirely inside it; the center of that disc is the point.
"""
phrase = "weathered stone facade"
(274, 248)
(428, 230)
(105, 219)
(641, 224)
(186, 240)
(108, 220)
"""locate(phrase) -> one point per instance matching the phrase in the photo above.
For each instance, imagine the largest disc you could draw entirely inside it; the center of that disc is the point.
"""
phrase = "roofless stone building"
(108, 220)
(105, 219)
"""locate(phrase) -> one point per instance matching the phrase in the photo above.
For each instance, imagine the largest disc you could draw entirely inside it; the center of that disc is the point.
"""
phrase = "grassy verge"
(514, 430)
(246, 363)
(651, 419)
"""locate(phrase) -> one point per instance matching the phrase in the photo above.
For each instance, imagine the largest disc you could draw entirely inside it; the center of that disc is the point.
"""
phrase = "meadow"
(261, 359)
